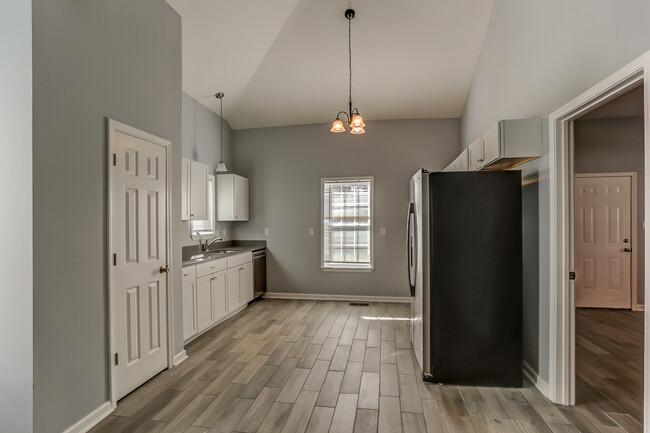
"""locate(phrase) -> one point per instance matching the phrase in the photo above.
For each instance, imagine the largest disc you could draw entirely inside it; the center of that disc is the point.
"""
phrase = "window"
(206, 228)
(347, 224)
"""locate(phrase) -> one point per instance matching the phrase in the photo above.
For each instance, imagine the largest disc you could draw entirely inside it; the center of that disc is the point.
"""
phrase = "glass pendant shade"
(357, 121)
(221, 167)
(337, 126)
(357, 131)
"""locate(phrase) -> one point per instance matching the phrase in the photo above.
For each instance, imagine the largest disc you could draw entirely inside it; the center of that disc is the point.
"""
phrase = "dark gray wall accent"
(115, 59)
(285, 165)
(615, 145)
(201, 143)
(16, 288)
(536, 57)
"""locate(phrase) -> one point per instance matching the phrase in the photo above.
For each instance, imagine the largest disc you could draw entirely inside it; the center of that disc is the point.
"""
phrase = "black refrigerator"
(464, 248)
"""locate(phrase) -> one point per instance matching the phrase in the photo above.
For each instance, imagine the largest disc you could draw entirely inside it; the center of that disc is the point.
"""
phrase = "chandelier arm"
(346, 115)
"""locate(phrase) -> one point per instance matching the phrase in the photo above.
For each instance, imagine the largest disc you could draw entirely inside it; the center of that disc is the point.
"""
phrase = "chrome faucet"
(208, 242)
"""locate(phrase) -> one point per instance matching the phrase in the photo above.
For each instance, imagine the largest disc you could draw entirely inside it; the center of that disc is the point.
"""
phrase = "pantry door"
(603, 241)
(139, 267)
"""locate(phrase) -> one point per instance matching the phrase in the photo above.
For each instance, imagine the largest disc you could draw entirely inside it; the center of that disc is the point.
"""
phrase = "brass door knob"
(627, 250)
(164, 269)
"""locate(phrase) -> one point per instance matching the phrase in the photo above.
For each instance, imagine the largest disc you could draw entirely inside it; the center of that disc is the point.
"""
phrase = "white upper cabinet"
(232, 198)
(458, 164)
(507, 144)
(194, 190)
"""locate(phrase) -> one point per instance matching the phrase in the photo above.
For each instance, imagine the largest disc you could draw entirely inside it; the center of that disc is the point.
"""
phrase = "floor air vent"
(359, 304)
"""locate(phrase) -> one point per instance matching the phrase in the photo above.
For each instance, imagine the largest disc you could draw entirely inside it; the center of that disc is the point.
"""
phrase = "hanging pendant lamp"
(355, 121)
(221, 167)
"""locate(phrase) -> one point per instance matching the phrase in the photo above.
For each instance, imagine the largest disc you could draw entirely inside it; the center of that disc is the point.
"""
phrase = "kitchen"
(76, 48)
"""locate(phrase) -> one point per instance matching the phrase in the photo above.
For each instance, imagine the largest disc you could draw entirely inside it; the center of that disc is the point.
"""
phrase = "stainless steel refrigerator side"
(425, 262)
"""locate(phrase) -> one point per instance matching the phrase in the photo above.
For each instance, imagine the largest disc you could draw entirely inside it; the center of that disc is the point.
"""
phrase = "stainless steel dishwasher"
(259, 272)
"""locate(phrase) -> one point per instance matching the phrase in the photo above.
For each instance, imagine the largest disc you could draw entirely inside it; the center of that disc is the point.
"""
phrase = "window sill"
(334, 269)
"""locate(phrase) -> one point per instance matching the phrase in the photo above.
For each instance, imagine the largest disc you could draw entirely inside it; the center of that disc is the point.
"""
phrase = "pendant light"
(355, 121)
(221, 167)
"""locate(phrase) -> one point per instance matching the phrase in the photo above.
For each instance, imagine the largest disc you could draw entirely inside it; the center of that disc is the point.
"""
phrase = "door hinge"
(117, 358)
(572, 275)
(114, 259)
(114, 159)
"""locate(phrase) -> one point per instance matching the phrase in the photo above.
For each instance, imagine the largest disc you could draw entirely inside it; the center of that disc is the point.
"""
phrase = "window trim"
(372, 224)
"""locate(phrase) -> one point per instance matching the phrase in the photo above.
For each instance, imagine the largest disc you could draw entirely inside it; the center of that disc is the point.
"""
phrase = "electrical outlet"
(382, 231)
(311, 231)
(267, 231)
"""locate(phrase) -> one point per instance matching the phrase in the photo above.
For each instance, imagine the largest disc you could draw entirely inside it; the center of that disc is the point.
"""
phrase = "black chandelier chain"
(350, 61)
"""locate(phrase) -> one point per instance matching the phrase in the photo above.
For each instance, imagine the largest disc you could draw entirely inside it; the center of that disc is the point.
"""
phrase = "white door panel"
(139, 242)
(602, 231)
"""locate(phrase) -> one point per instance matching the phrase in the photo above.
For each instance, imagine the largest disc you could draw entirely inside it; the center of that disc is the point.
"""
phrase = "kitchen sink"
(225, 251)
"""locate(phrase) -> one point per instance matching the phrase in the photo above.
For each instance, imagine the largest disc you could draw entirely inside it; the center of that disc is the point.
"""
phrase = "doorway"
(138, 252)
(562, 317)
(609, 168)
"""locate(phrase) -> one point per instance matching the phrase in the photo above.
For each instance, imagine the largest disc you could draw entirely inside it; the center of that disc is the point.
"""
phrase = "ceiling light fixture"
(355, 121)
(221, 167)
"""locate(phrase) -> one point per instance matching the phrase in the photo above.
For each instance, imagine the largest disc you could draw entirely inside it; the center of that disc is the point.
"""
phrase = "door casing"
(113, 128)
(561, 386)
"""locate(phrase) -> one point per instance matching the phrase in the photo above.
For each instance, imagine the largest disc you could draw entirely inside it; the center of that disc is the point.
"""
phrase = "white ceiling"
(285, 62)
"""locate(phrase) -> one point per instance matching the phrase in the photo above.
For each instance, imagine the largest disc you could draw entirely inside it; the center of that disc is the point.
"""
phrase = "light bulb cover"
(337, 126)
(357, 131)
(357, 121)
(221, 167)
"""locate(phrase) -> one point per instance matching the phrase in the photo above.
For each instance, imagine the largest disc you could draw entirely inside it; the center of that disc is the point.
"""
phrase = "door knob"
(626, 241)
(164, 269)
(627, 250)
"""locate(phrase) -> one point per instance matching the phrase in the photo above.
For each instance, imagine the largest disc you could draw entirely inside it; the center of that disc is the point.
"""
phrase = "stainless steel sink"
(225, 251)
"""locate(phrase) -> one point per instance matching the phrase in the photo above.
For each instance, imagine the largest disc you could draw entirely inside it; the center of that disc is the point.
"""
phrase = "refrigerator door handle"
(409, 248)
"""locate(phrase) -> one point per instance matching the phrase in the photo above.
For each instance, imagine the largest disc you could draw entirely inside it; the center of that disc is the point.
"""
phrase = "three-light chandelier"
(355, 121)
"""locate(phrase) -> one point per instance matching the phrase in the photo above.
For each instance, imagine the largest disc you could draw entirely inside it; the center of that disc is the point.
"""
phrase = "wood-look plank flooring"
(328, 367)
(609, 364)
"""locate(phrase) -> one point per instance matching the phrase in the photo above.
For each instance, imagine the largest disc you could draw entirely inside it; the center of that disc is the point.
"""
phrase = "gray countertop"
(193, 255)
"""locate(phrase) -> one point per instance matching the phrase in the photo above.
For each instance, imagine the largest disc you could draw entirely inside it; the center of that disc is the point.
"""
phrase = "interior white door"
(139, 285)
(602, 240)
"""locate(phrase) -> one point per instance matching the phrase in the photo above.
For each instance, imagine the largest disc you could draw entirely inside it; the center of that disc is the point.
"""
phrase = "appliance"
(464, 248)
(221, 166)
(355, 121)
(259, 272)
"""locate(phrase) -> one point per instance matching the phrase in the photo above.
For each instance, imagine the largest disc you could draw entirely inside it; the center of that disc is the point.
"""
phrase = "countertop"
(193, 255)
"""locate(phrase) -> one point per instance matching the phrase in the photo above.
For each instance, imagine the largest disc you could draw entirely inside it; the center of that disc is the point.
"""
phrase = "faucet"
(208, 242)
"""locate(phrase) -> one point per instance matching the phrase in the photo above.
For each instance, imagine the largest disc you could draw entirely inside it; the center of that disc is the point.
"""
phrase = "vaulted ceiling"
(285, 62)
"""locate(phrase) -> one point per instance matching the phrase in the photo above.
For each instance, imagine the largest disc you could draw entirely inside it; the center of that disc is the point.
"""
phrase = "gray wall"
(537, 56)
(285, 165)
(615, 145)
(115, 59)
(16, 393)
(201, 143)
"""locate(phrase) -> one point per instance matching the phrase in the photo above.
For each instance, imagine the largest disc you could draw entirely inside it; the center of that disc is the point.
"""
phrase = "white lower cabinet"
(215, 289)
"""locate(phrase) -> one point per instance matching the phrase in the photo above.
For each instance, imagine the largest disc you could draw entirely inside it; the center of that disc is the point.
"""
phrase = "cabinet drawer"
(189, 273)
(210, 267)
(240, 259)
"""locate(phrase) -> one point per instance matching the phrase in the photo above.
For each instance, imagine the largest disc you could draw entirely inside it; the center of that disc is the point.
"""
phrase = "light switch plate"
(311, 231)
(267, 231)
(382, 231)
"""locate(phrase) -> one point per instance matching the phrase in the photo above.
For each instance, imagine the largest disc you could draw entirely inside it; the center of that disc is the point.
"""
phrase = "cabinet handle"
(185, 275)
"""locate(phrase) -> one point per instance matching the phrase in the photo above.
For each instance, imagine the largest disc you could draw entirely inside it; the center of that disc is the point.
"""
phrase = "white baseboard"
(348, 298)
(91, 420)
(179, 357)
(534, 377)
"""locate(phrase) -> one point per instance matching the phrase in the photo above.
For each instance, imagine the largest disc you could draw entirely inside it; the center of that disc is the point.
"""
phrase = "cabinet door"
(462, 161)
(203, 303)
(475, 154)
(246, 283)
(198, 191)
(189, 317)
(218, 287)
(225, 190)
(233, 283)
(185, 189)
(491, 144)
(241, 198)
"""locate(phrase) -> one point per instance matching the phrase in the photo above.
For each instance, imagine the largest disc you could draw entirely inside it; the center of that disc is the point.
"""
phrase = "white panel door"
(233, 283)
(246, 283)
(139, 298)
(219, 303)
(602, 235)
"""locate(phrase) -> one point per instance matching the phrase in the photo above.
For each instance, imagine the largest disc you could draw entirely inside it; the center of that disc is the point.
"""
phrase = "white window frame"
(371, 239)
(204, 229)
